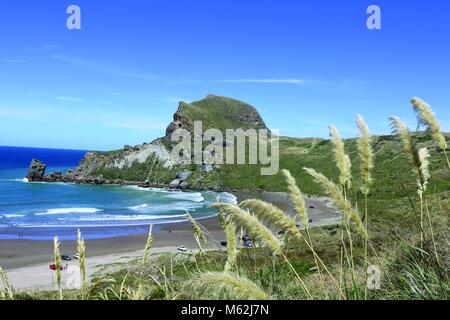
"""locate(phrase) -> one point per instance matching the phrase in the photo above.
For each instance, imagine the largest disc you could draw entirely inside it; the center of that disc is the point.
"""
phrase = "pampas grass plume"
(57, 258)
(427, 117)
(365, 153)
(81, 249)
(296, 197)
(224, 285)
(342, 160)
(338, 198)
(6, 291)
(250, 223)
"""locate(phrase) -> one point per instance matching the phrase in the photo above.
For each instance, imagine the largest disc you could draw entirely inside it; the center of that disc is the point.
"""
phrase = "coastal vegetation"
(392, 191)
(390, 174)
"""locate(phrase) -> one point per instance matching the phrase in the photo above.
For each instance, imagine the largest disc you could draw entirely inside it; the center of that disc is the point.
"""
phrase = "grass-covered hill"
(391, 176)
(216, 112)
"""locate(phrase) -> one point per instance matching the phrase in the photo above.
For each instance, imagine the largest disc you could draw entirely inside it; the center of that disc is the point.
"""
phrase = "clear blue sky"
(303, 64)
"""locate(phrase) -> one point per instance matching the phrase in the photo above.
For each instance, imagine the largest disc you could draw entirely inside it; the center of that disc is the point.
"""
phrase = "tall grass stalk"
(417, 157)
(427, 117)
(224, 285)
(422, 184)
(139, 292)
(6, 290)
(258, 232)
(296, 198)
(250, 223)
(81, 250)
(199, 235)
(57, 259)
(424, 169)
(343, 164)
(148, 246)
(338, 198)
(341, 158)
(271, 214)
(401, 130)
(366, 155)
(232, 251)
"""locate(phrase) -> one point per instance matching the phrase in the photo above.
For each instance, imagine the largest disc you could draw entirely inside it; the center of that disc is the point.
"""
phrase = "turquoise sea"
(39, 211)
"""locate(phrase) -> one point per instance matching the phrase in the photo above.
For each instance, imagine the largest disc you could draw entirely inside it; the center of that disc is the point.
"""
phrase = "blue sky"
(303, 64)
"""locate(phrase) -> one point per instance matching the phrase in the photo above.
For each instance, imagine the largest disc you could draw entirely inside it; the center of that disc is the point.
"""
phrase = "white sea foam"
(68, 210)
(228, 197)
(110, 217)
(155, 208)
(117, 223)
(25, 180)
(12, 215)
(161, 190)
(15, 180)
(189, 196)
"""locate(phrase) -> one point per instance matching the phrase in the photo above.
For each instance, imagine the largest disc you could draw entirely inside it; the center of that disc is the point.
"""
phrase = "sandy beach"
(27, 262)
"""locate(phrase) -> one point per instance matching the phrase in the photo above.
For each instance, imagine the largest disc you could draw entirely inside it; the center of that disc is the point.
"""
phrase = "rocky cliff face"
(120, 159)
(90, 162)
(179, 121)
(213, 111)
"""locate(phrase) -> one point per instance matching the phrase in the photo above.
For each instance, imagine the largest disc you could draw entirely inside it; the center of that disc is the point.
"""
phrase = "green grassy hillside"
(391, 176)
(221, 113)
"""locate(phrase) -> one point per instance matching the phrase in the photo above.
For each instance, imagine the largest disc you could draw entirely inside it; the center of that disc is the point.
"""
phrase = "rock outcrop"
(36, 171)
(179, 120)
(90, 162)
(153, 160)
(174, 184)
(184, 175)
(140, 154)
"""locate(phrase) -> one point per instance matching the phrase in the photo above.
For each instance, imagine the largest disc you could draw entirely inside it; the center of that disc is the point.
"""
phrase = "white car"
(182, 248)
(76, 256)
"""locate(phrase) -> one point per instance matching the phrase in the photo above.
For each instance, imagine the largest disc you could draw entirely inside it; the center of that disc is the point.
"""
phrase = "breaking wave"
(68, 210)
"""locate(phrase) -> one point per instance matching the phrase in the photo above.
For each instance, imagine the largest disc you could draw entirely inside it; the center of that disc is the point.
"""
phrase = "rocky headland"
(159, 170)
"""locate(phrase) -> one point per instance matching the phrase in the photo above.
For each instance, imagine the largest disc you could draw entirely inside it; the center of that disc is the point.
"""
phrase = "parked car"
(182, 248)
(224, 243)
(66, 258)
(76, 256)
(53, 267)
(248, 244)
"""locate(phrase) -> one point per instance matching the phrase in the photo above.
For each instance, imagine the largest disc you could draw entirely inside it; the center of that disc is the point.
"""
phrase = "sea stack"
(36, 171)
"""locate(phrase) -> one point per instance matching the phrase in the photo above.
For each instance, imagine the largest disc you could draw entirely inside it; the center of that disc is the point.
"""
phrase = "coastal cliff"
(150, 164)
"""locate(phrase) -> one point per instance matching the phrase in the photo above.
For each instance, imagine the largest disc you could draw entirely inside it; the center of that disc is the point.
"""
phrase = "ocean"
(39, 211)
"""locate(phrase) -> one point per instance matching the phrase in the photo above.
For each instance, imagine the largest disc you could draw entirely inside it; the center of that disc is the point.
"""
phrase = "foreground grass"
(402, 231)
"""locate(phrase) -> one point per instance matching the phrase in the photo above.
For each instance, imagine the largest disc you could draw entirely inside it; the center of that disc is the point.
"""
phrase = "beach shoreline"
(27, 261)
